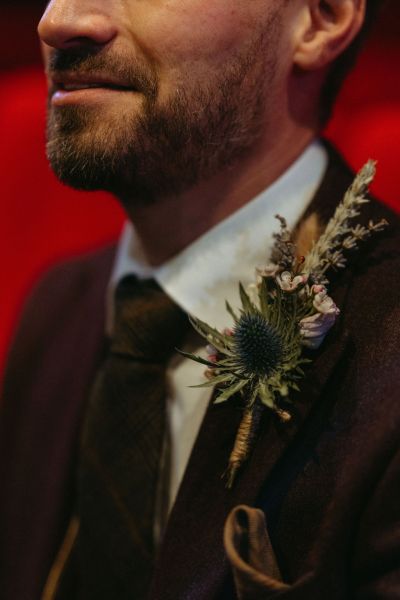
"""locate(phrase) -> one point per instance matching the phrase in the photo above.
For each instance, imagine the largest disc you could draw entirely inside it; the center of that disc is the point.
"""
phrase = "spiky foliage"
(258, 345)
(261, 357)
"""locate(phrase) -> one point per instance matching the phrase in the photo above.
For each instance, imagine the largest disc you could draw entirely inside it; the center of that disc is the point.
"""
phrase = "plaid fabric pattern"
(121, 448)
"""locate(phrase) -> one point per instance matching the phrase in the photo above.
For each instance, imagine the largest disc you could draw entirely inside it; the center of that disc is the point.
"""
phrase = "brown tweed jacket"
(327, 485)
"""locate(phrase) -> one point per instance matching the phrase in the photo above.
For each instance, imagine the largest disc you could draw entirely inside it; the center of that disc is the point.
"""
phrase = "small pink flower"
(212, 353)
(324, 304)
(318, 289)
(288, 283)
(314, 329)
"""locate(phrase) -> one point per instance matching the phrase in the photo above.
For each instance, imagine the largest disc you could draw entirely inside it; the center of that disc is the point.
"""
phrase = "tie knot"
(148, 324)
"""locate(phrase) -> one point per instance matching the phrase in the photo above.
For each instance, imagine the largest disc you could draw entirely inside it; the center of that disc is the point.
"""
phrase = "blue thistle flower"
(259, 346)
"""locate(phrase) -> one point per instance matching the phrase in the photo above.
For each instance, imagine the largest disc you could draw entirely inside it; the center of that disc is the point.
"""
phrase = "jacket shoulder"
(68, 287)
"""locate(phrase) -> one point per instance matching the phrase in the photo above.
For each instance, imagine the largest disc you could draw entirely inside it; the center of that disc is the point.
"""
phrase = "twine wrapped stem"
(244, 441)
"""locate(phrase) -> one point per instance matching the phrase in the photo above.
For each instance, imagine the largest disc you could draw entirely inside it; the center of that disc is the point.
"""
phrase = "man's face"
(148, 97)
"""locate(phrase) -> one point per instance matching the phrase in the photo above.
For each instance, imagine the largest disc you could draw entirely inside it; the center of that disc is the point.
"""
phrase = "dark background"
(42, 222)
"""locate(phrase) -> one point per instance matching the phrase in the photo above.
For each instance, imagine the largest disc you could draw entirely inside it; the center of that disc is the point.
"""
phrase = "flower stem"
(245, 437)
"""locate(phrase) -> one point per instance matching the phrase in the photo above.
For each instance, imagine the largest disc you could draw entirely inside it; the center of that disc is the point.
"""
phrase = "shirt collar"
(207, 272)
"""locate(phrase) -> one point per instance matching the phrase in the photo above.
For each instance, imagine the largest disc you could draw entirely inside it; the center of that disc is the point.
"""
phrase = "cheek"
(183, 32)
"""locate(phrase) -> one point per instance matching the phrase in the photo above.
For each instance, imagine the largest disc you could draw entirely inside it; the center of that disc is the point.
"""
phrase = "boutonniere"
(287, 309)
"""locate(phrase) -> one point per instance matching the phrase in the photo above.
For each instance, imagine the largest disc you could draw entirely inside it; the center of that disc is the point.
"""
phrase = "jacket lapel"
(192, 563)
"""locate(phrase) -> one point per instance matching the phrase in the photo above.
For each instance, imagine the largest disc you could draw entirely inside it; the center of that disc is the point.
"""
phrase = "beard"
(160, 149)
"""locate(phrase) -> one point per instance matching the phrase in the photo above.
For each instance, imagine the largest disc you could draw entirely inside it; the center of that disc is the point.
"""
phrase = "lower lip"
(64, 97)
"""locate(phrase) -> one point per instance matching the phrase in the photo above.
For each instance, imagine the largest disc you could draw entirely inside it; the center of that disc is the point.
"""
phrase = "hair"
(344, 63)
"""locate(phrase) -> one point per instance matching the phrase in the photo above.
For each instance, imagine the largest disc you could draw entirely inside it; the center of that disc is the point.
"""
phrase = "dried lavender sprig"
(338, 234)
(284, 250)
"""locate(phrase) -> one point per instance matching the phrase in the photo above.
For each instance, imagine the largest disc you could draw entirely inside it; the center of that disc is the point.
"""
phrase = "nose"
(71, 23)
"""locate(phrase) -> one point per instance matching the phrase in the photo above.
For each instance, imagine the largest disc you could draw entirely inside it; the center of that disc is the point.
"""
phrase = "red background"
(42, 222)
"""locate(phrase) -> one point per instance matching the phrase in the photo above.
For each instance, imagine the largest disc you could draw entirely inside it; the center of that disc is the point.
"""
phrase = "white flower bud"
(314, 328)
(288, 283)
(324, 304)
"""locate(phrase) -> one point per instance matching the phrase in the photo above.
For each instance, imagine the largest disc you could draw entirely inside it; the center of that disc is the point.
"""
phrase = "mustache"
(83, 61)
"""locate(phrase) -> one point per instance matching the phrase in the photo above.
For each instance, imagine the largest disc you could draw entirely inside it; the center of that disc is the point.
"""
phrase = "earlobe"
(331, 27)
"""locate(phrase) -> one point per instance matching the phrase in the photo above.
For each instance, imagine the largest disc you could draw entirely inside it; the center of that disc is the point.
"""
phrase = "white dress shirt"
(206, 274)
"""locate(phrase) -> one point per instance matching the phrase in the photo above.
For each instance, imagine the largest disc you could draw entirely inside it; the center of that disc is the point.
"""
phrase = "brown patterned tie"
(121, 449)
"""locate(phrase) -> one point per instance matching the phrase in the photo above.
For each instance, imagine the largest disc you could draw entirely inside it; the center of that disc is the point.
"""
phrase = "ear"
(327, 29)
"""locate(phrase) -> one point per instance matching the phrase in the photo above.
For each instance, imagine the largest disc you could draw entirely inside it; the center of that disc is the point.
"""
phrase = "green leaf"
(265, 305)
(232, 363)
(253, 397)
(305, 361)
(246, 302)
(266, 395)
(231, 312)
(231, 391)
(221, 347)
(202, 385)
(224, 378)
(213, 336)
(294, 385)
(197, 359)
(283, 389)
(205, 330)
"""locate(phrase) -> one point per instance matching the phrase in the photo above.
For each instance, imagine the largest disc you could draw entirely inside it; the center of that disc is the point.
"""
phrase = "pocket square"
(250, 553)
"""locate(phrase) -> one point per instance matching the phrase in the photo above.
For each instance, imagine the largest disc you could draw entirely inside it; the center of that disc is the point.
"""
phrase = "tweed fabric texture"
(121, 448)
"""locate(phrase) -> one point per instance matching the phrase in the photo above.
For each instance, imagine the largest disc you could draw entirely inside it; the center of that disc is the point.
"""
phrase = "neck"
(168, 226)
